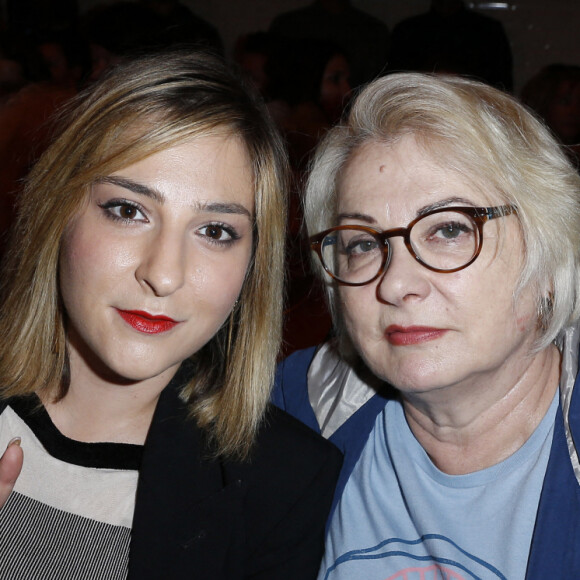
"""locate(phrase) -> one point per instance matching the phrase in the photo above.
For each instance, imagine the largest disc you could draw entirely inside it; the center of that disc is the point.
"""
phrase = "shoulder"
(282, 427)
(289, 450)
(289, 460)
(295, 367)
(289, 484)
(291, 387)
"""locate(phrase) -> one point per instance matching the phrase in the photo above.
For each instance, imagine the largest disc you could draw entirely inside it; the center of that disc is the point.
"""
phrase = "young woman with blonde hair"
(141, 308)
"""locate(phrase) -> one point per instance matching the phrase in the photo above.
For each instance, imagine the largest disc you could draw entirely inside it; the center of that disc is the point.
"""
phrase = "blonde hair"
(142, 107)
(492, 141)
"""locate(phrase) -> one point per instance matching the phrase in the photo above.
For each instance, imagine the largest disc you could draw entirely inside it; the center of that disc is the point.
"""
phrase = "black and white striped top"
(69, 516)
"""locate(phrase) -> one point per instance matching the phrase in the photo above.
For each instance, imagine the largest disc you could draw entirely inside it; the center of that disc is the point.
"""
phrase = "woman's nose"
(162, 264)
(405, 279)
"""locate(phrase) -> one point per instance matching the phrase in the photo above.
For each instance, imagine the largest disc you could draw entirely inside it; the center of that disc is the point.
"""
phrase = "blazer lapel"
(184, 514)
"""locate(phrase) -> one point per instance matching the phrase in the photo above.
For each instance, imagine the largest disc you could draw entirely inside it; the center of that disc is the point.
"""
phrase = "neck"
(463, 433)
(98, 409)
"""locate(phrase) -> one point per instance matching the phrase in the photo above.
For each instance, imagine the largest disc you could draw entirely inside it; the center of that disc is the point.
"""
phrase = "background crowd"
(307, 65)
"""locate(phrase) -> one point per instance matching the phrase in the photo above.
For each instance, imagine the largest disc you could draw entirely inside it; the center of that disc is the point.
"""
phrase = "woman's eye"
(125, 211)
(218, 233)
(129, 212)
(450, 231)
(361, 247)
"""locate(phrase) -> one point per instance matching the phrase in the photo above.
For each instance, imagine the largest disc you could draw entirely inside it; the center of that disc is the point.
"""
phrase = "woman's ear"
(545, 310)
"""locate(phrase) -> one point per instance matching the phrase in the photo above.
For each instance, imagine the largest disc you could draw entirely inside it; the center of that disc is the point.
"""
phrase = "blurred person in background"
(554, 93)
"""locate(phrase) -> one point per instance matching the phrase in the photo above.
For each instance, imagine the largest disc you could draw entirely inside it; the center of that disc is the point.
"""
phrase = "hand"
(10, 466)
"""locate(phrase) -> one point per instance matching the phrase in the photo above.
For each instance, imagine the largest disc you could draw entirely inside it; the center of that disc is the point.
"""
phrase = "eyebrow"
(133, 186)
(221, 207)
(420, 212)
(444, 203)
(356, 216)
(156, 195)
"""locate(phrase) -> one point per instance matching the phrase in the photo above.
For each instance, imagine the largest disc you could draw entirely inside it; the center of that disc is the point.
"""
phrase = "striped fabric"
(69, 516)
(38, 542)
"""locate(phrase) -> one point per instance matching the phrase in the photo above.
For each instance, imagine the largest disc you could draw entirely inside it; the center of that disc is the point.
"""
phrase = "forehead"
(213, 147)
(205, 168)
(399, 178)
(145, 135)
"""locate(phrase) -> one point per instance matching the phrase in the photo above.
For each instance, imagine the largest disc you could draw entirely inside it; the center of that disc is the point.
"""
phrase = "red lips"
(147, 323)
(409, 335)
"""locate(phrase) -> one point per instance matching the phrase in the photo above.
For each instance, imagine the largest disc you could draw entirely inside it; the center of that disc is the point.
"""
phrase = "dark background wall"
(540, 31)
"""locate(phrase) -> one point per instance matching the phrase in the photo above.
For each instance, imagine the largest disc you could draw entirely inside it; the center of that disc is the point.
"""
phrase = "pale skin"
(10, 466)
(473, 390)
(159, 237)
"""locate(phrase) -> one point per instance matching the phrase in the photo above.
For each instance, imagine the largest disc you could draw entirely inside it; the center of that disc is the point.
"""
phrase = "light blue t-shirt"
(402, 518)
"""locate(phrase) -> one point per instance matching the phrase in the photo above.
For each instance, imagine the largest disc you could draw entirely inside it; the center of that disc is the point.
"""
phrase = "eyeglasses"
(443, 240)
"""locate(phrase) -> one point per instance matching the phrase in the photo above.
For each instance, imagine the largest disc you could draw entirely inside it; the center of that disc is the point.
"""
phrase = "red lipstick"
(147, 323)
(408, 335)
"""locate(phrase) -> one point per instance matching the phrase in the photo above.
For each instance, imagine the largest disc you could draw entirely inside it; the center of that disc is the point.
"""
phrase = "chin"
(415, 374)
(135, 374)
(132, 369)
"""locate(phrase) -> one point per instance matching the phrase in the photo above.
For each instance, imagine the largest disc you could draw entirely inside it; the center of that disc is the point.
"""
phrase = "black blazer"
(199, 519)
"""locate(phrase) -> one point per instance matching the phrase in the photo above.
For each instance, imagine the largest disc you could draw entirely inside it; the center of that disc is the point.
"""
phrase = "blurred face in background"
(335, 88)
(563, 112)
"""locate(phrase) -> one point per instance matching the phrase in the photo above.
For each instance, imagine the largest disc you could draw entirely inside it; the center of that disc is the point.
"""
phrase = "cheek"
(87, 250)
(218, 283)
(523, 324)
(75, 279)
(358, 308)
(73, 256)
(525, 314)
(90, 268)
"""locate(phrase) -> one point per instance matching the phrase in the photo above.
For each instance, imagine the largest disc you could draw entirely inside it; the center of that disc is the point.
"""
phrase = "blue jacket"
(555, 549)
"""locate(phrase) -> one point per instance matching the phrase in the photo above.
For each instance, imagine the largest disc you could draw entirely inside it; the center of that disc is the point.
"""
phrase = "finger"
(10, 466)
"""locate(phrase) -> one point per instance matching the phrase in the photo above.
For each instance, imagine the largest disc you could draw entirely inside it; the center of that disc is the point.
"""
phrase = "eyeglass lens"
(444, 241)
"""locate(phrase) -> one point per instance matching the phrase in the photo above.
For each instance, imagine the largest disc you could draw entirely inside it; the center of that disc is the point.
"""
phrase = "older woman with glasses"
(446, 221)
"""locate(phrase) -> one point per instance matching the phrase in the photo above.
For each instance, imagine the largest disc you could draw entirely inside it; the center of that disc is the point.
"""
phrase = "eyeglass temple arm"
(500, 211)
